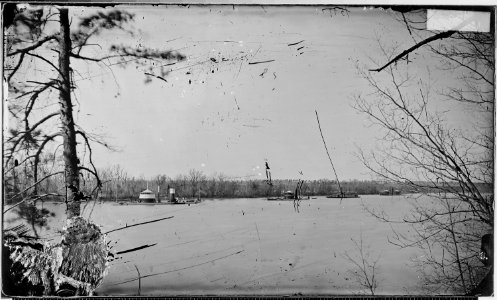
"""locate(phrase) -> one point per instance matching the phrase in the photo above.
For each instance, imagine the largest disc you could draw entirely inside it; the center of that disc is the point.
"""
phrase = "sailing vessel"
(341, 194)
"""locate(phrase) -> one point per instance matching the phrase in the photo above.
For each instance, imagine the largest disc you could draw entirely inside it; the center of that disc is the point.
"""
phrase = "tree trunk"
(67, 130)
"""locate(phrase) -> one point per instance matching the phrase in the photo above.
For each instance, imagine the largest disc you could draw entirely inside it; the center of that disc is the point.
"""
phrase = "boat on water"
(159, 203)
(178, 202)
(186, 201)
(343, 195)
(147, 196)
(390, 192)
(286, 199)
(288, 196)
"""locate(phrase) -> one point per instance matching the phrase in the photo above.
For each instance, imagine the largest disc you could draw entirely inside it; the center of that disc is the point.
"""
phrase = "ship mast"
(329, 157)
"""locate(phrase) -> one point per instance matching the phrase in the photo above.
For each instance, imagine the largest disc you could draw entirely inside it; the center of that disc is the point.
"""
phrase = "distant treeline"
(215, 187)
(118, 185)
(226, 188)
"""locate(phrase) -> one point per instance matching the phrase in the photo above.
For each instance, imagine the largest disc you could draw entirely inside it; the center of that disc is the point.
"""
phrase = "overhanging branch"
(29, 187)
(435, 37)
(33, 46)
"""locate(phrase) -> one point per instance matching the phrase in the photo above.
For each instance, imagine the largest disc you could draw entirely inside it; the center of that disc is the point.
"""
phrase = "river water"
(251, 246)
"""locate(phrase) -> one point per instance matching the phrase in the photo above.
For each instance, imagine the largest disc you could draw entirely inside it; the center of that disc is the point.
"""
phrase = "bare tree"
(421, 149)
(195, 178)
(365, 270)
(160, 181)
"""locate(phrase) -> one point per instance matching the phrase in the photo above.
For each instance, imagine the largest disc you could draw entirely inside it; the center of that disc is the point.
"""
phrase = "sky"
(247, 93)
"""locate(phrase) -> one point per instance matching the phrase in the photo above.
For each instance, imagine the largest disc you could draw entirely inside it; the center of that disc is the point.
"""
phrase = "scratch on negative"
(257, 229)
(261, 62)
(293, 44)
(180, 269)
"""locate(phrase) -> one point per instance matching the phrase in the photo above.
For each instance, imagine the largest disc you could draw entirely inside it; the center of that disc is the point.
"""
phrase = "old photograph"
(288, 150)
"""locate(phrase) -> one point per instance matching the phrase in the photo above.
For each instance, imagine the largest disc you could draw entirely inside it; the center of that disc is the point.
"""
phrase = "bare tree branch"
(435, 37)
(33, 46)
(29, 187)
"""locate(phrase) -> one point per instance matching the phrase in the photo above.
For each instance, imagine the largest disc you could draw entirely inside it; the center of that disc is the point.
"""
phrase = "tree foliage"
(43, 35)
(40, 105)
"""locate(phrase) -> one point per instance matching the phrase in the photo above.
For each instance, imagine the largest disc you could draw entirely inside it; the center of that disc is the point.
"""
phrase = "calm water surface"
(250, 246)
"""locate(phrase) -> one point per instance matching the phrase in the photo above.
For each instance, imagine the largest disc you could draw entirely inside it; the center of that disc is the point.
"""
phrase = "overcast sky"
(220, 110)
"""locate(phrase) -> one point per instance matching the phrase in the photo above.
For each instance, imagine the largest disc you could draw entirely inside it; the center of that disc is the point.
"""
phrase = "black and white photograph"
(247, 149)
